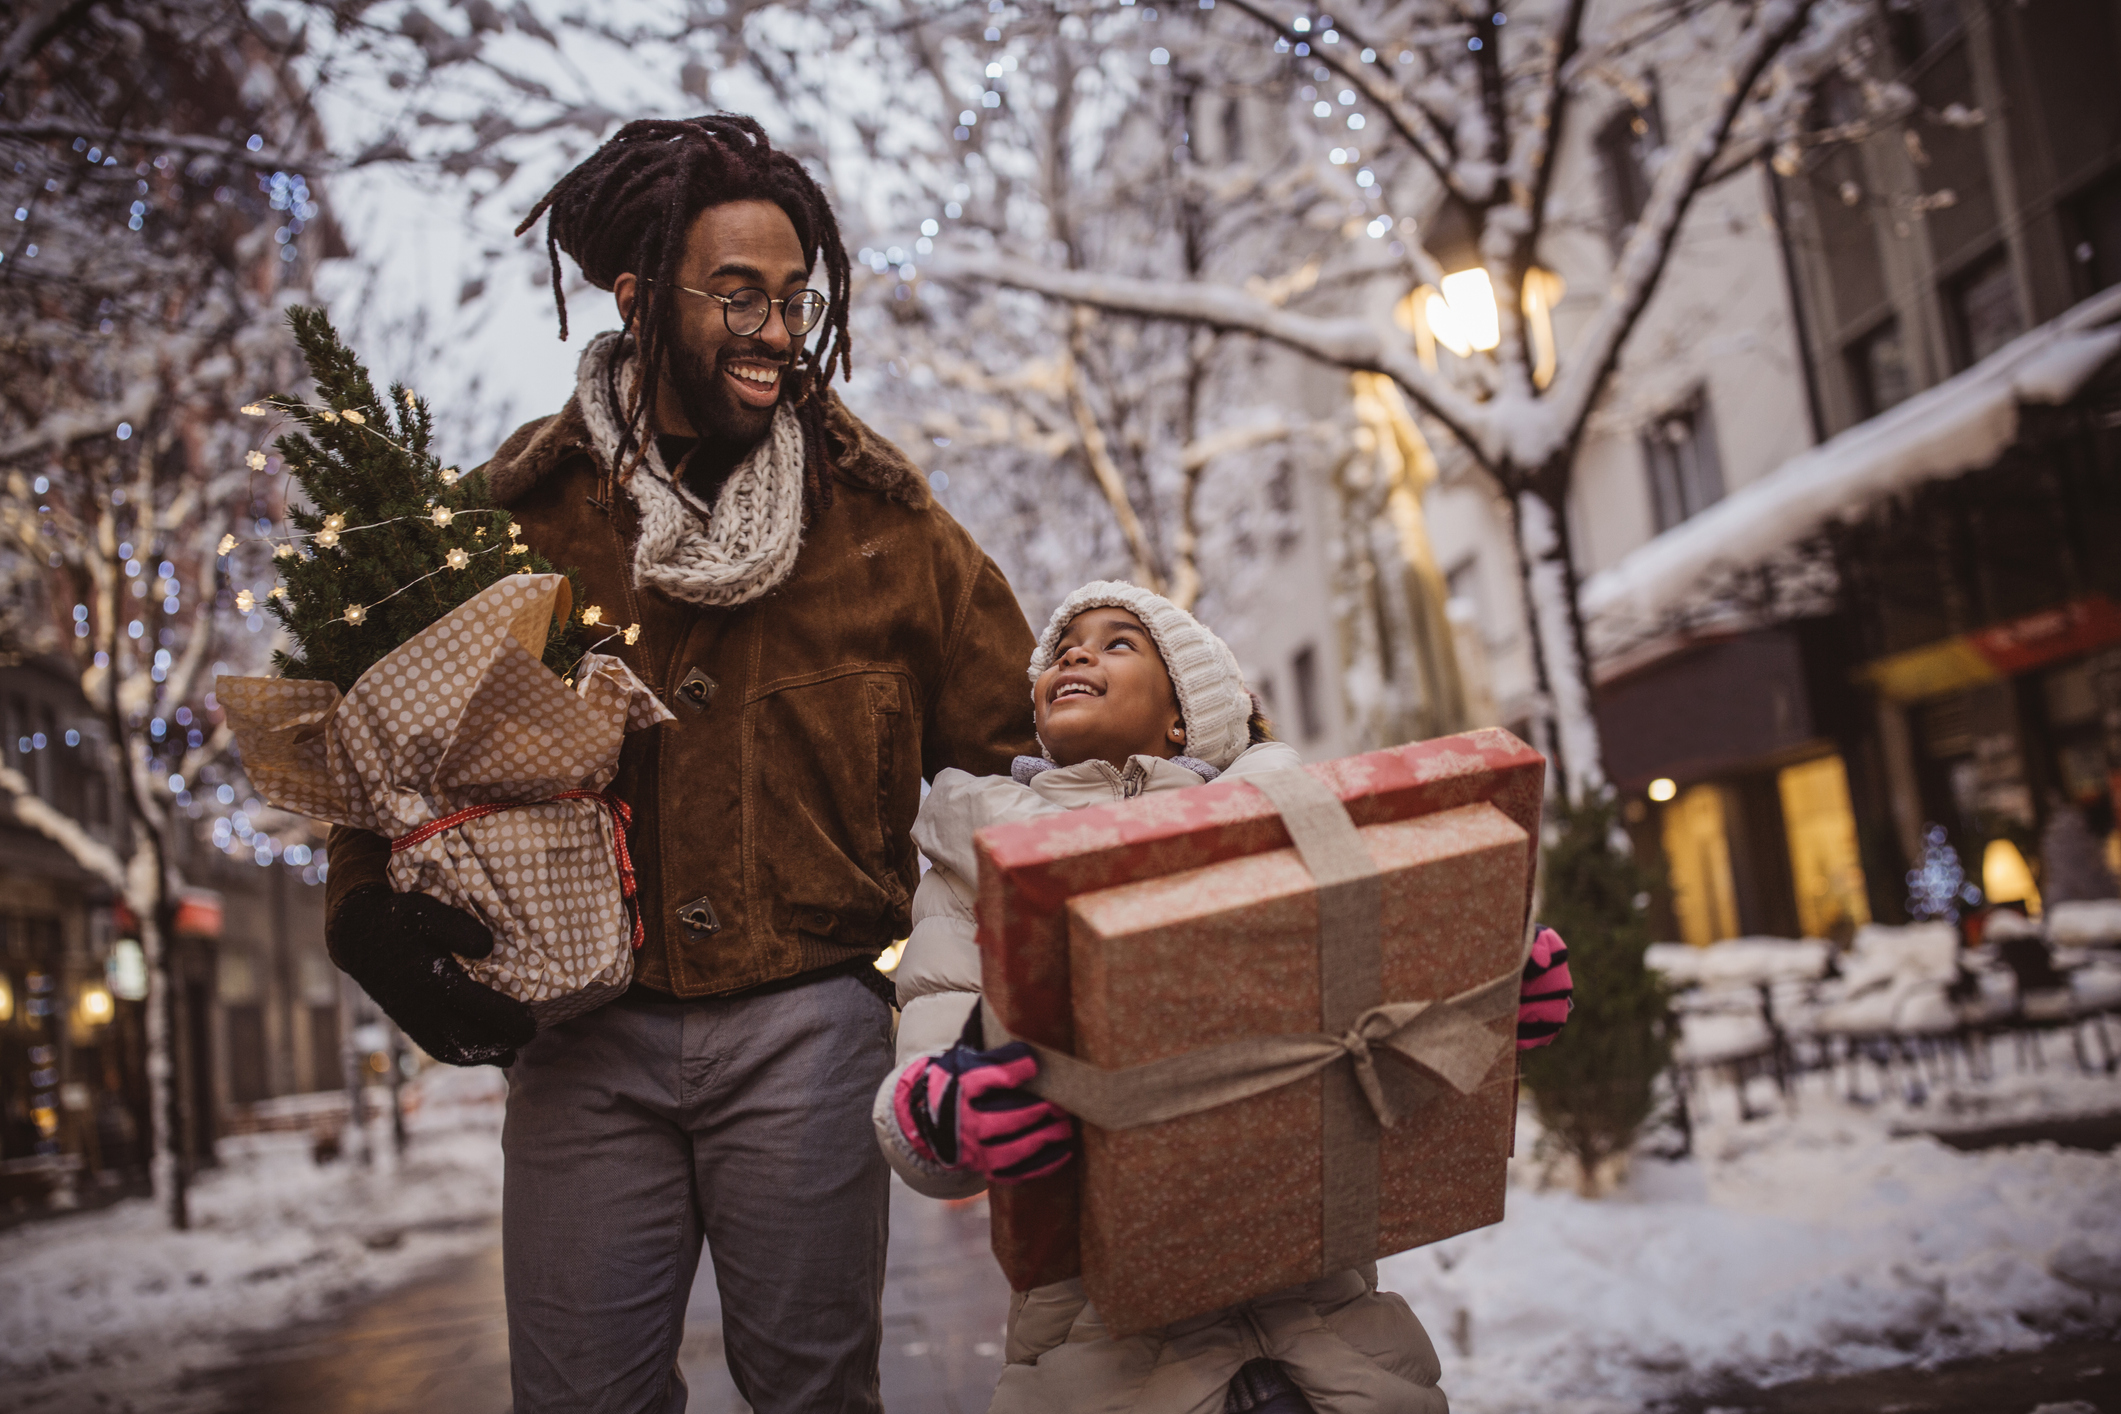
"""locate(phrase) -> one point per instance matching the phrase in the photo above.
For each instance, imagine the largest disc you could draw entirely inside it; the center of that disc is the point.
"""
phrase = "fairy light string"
(438, 514)
(334, 527)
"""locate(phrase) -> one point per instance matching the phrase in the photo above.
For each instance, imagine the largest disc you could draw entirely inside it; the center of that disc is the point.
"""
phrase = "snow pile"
(1739, 961)
(114, 1297)
(1963, 423)
(1800, 1245)
(2084, 923)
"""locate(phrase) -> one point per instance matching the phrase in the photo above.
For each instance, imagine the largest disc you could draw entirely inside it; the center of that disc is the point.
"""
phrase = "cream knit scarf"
(727, 553)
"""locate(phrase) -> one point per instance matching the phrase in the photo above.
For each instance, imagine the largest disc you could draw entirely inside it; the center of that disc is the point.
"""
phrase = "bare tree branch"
(62, 830)
(1346, 343)
(1649, 249)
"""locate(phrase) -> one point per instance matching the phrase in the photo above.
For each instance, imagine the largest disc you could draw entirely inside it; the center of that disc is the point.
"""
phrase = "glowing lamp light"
(96, 1008)
(1663, 789)
(2005, 877)
(356, 614)
(457, 559)
(7, 999)
(1464, 316)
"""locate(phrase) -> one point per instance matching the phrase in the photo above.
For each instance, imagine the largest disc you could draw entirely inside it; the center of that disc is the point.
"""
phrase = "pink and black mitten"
(1544, 1003)
(965, 1109)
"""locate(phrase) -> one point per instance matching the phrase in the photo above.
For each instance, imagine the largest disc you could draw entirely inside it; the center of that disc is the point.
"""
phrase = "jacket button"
(697, 690)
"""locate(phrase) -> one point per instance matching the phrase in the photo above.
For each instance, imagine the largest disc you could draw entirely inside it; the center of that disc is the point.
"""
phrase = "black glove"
(403, 950)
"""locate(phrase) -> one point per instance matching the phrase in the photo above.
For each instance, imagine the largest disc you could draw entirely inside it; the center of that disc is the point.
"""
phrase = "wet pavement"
(2068, 1377)
(441, 1343)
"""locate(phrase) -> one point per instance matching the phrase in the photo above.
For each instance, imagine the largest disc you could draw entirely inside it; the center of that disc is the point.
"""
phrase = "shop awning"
(1961, 425)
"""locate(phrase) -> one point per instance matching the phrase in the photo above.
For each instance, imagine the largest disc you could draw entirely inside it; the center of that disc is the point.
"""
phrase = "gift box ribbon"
(621, 820)
(1456, 1038)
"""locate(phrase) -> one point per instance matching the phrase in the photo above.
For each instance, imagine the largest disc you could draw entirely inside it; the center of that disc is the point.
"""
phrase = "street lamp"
(1463, 314)
(1459, 312)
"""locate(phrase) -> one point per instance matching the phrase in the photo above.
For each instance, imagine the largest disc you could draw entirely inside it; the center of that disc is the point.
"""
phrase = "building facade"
(1846, 519)
(259, 1007)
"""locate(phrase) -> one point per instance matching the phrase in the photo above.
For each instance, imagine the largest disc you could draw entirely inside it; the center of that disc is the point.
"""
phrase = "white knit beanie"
(1212, 699)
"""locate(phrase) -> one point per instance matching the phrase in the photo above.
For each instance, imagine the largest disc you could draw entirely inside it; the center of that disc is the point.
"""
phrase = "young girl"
(1131, 694)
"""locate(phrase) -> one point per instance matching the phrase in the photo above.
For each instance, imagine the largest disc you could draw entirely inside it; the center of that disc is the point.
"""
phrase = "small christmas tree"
(1593, 1089)
(391, 539)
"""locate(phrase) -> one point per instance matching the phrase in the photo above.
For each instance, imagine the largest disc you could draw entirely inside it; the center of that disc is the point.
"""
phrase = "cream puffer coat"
(1350, 1348)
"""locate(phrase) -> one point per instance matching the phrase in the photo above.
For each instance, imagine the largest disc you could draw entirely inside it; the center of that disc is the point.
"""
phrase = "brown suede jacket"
(773, 820)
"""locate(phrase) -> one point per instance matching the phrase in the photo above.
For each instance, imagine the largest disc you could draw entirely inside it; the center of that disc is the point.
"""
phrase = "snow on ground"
(1807, 1243)
(115, 1304)
(1822, 1241)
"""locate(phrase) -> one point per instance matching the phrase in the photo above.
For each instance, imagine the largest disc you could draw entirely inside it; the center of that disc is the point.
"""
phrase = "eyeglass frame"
(824, 304)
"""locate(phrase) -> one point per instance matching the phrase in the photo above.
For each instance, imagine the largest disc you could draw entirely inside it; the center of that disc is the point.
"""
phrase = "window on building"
(1878, 369)
(1826, 869)
(1917, 26)
(1954, 159)
(1463, 582)
(1686, 473)
(1697, 854)
(2069, 47)
(1310, 719)
(1985, 311)
(1837, 196)
(1625, 146)
(2095, 236)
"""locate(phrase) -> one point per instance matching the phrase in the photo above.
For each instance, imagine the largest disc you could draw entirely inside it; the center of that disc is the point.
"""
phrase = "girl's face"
(1107, 695)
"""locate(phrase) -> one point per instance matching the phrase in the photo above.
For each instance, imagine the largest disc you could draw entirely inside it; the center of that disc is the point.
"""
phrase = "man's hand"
(403, 950)
(965, 1109)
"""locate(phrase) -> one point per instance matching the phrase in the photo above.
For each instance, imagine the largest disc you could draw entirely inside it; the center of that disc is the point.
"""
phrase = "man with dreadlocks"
(828, 636)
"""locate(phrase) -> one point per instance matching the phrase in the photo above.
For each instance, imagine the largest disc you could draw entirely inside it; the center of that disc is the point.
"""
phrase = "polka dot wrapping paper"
(465, 714)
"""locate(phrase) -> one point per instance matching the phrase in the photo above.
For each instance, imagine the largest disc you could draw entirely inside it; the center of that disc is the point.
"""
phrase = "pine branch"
(418, 539)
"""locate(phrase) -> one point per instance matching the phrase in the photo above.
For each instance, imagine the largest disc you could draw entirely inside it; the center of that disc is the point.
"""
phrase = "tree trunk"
(1558, 630)
(1542, 680)
(165, 1095)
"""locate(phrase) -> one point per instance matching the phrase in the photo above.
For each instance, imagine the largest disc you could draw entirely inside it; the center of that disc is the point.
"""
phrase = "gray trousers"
(637, 1130)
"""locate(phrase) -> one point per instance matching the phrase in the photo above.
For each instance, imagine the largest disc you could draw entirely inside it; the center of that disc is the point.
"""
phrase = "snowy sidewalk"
(113, 1309)
(1792, 1246)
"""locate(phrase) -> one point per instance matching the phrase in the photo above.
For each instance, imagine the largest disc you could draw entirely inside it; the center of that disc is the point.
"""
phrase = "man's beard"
(710, 404)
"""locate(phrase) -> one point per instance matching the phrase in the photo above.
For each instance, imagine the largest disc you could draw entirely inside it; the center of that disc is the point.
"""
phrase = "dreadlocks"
(627, 208)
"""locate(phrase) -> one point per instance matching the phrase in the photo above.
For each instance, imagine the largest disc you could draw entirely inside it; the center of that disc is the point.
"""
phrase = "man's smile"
(757, 381)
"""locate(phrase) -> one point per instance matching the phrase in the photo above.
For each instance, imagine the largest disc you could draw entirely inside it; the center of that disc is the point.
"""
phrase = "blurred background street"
(1722, 397)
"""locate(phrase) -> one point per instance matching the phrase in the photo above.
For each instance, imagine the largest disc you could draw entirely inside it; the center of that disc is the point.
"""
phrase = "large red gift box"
(1183, 922)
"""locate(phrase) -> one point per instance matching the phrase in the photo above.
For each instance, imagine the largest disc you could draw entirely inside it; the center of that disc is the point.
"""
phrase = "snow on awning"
(1964, 423)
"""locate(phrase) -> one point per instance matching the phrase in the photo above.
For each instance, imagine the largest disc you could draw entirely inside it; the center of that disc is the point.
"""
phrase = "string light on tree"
(362, 459)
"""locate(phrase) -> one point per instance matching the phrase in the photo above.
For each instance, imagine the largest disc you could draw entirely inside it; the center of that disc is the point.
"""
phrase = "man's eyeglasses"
(745, 312)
